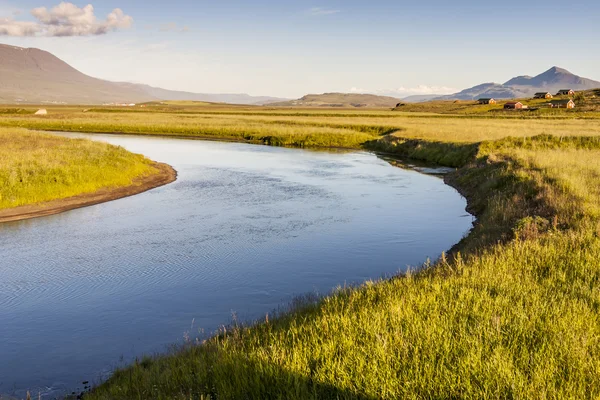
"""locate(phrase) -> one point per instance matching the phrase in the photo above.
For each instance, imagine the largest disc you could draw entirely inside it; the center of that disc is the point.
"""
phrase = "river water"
(242, 231)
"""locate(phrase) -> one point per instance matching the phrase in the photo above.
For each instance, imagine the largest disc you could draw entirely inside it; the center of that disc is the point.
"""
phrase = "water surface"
(243, 230)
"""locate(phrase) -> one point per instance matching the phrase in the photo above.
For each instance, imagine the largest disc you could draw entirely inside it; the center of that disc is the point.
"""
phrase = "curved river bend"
(243, 230)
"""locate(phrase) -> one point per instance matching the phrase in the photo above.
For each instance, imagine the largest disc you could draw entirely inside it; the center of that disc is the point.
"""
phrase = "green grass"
(37, 167)
(299, 128)
(518, 319)
(513, 312)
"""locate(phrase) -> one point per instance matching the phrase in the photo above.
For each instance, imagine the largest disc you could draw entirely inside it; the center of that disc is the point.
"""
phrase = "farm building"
(487, 101)
(562, 104)
(513, 105)
(542, 95)
(566, 92)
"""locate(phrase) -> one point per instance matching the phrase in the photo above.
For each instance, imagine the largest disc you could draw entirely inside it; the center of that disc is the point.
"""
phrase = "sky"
(291, 48)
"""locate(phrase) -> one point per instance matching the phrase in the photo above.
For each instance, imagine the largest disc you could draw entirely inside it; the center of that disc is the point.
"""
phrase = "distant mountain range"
(551, 81)
(36, 76)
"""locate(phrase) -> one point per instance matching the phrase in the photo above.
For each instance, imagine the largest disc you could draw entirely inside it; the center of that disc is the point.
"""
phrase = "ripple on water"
(244, 229)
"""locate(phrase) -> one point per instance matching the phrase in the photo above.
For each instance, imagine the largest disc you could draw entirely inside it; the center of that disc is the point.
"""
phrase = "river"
(242, 231)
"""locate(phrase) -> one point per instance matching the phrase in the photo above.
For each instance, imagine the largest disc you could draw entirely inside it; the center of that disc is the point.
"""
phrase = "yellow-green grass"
(302, 129)
(514, 314)
(518, 319)
(37, 167)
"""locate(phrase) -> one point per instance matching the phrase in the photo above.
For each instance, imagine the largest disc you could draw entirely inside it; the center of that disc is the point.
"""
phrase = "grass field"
(512, 313)
(301, 128)
(37, 167)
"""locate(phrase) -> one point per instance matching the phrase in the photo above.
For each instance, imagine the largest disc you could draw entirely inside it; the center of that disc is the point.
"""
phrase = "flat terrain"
(511, 312)
(308, 127)
(42, 174)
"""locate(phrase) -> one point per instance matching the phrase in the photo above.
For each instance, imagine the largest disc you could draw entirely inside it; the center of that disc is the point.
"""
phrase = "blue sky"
(292, 48)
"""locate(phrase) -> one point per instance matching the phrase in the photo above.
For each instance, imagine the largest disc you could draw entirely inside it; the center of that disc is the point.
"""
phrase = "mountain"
(420, 98)
(492, 90)
(36, 76)
(232, 98)
(525, 86)
(553, 80)
(340, 100)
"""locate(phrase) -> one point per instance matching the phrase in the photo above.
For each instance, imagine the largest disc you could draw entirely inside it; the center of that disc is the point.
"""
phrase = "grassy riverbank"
(514, 312)
(38, 167)
(514, 315)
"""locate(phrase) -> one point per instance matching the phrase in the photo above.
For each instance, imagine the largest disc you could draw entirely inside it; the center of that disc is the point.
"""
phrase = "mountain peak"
(558, 70)
(552, 80)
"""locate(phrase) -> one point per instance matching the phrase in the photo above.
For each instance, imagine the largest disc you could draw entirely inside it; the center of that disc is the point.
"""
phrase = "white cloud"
(66, 19)
(10, 27)
(404, 91)
(319, 11)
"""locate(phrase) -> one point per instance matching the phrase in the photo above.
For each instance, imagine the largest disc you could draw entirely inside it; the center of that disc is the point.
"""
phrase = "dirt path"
(166, 175)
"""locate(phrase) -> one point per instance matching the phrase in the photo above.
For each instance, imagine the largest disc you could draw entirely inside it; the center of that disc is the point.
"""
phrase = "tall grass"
(37, 167)
(299, 128)
(513, 313)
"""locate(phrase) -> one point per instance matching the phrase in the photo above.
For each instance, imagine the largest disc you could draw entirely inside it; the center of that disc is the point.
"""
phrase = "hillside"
(340, 100)
(419, 98)
(36, 76)
(551, 80)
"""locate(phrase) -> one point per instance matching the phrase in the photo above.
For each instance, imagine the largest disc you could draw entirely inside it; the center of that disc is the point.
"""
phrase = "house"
(542, 95)
(513, 105)
(562, 104)
(487, 101)
(566, 92)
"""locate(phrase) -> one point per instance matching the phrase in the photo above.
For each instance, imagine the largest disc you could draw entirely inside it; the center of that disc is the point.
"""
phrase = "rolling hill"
(340, 100)
(36, 76)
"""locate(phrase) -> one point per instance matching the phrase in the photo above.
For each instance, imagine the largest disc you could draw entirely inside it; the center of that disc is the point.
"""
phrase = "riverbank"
(42, 174)
(512, 313)
(165, 174)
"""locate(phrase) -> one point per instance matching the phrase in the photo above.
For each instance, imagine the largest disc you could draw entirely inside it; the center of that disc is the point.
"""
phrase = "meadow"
(512, 312)
(301, 128)
(37, 167)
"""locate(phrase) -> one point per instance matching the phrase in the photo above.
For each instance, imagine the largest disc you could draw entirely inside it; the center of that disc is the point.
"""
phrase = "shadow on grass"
(225, 367)
(197, 374)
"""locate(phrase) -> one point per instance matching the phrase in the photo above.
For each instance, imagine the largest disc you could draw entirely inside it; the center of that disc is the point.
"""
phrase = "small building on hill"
(513, 105)
(41, 112)
(562, 104)
(486, 101)
(542, 95)
(566, 92)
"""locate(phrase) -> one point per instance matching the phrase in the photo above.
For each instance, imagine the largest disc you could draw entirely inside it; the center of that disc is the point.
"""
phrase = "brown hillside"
(341, 100)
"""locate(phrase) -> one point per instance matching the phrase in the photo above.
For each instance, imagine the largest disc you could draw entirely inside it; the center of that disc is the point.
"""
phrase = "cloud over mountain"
(65, 19)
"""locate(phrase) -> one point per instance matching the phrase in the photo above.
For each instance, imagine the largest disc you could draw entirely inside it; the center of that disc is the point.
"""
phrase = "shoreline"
(166, 175)
(207, 138)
